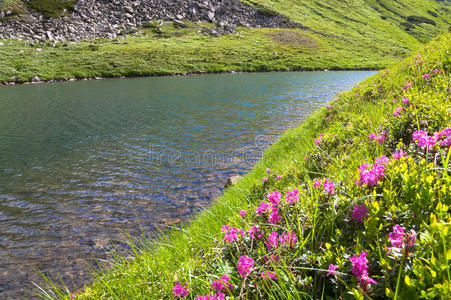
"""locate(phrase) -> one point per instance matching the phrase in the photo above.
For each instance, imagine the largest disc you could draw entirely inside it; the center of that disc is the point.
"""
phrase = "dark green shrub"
(408, 25)
(432, 13)
(266, 11)
(52, 8)
(419, 20)
(13, 6)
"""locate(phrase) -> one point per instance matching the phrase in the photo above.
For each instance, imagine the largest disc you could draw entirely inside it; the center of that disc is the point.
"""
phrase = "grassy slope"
(326, 234)
(365, 41)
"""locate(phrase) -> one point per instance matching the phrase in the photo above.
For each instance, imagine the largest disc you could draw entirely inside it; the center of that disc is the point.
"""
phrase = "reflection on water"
(82, 162)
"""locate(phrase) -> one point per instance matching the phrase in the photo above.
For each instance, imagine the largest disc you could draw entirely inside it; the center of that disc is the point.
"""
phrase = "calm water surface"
(83, 162)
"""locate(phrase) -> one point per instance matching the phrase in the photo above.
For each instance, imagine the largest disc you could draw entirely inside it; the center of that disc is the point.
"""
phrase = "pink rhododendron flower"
(359, 212)
(245, 265)
(268, 275)
(370, 175)
(317, 183)
(263, 208)
(356, 94)
(292, 196)
(444, 137)
(272, 241)
(360, 268)
(401, 239)
(279, 177)
(407, 85)
(274, 217)
(288, 239)
(329, 186)
(274, 198)
(222, 284)
(268, 170)
(398, 154)
(398, 111)
(264, 179)
(378, 138)
(405, 100)
(332, 269)
(225, 228)
(231, 234)
(317, 142)
(423, 140)
(255, 232)
(426, 76)
(180, 291)
(218, 296)
(242, 213)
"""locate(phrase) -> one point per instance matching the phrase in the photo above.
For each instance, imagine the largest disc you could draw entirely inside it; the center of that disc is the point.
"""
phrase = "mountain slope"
(335, 34)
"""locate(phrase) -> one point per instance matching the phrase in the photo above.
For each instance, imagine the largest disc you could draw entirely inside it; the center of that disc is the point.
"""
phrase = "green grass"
(346, 34)
(415, 193)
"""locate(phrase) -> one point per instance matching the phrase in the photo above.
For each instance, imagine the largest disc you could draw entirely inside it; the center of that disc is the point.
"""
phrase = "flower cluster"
(222, 284)
(399, 239)
(398, 111)
(359, 212)
(244, 265)
(360, 269)
(292, 196)
(370, 175)
(378, 138)
(231, 234)
(180, 291)
(423, 139)
(328, 185)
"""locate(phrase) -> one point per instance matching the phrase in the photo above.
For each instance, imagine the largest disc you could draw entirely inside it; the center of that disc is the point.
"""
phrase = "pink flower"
(317, 183)
(274, 198)
(378, 138)
(292, 196)
(242, 213)
(317, 142)
(400, 239)
(264, 179)
(268, 170)
(268, 275)
(398, 154)
(274, 217)
(225, 228)
(356, 94)
(359, 212)
(288, 237)
(371, 177)
(332, 269)
(272, 241)
(245, 265)
(407, 85)
(180, 291)
(444, 136)
(328, 106)
(263, 208)
(423, 140)
(222, 284)
(405, 100)
(329, 186)
(360, 268)
(255, 232)
(231, 235)
(398, 111)
(218, 296)
(435, 71)
(279, 177)
(425, 76)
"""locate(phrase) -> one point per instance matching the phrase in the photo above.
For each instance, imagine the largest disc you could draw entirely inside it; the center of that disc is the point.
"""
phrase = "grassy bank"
(360, 210)
(344, 35)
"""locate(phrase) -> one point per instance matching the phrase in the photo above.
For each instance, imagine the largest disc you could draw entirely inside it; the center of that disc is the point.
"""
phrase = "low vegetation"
(354, 203)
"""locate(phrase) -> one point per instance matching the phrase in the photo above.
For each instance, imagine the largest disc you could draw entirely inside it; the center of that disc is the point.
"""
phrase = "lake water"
(83, 162)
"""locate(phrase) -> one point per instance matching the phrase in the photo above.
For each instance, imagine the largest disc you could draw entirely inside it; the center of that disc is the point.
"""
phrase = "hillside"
(354, 203)
(141, 38)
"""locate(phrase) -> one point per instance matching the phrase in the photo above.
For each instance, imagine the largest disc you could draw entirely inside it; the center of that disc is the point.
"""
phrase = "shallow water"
(81, 163)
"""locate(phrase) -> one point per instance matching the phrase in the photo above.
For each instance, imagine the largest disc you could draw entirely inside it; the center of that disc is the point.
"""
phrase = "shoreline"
(60, 80)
